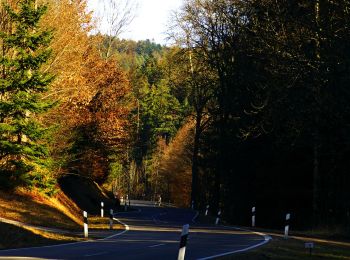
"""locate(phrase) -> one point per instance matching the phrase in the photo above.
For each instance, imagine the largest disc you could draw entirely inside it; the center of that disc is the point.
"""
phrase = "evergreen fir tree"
(25, 49)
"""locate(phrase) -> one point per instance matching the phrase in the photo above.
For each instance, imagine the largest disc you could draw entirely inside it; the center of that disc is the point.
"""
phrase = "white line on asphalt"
(102, 253)
(127, 228)
(266, 240)
(156, 221)
(254, 232)
(36, 247)
(195, 216)
(127, 212)
(157, 245)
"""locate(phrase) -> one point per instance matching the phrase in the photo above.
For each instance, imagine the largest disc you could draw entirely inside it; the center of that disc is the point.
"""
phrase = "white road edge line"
(157, 221)
(102, 253)
(157, 245)
(127, 212)
(36, 247)
(267, 239)
(195, 216)
(127, 228)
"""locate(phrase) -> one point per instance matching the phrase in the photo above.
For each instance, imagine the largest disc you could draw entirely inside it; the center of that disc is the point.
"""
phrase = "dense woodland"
(248, 107)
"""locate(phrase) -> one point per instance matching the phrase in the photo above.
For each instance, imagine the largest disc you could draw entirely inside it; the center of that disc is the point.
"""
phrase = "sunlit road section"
(151, 232)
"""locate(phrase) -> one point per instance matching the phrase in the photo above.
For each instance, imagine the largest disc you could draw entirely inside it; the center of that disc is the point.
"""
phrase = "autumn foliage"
(175, 167)
(91, 93)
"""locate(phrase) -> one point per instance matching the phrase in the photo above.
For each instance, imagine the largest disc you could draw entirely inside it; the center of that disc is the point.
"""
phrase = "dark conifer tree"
(25, 50)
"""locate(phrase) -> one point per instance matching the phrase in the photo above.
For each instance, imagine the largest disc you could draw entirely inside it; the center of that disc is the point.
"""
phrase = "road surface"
(151, 233)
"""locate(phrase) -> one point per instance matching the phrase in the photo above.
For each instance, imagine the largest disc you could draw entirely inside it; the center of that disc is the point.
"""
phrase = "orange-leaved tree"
(175, 167)
(93, 108)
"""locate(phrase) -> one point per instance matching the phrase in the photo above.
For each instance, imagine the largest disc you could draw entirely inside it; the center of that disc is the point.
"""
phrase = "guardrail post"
(111, 219)
(253, 217)
(183, 242)
(218, 218)
(286, 228)
(102, 211)
(206, 211)
(86, 227)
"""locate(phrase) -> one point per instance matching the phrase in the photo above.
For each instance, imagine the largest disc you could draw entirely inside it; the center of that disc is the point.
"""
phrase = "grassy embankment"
(327, 245)
(293, 249)
(61, 212)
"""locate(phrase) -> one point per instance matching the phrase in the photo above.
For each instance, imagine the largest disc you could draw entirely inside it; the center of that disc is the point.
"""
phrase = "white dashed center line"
(157, 245)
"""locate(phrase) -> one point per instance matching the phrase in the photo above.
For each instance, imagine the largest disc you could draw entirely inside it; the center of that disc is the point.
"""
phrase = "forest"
(249, 106)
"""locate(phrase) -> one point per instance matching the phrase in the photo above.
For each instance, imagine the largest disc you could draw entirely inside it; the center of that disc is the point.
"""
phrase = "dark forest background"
(249, 107)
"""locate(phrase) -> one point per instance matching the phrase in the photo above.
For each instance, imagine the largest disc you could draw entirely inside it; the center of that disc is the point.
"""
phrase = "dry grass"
(293, 249)
(16, 237)
(102, 223)
(35, 209)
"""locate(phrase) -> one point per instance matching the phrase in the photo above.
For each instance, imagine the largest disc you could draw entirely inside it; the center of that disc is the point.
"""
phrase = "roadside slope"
(36, 209)
(62, 211)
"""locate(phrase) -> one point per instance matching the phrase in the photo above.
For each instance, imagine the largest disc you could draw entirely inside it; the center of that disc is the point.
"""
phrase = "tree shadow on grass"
(16, 237)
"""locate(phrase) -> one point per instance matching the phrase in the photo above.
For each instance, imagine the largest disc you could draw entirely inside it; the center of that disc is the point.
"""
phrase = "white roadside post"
(111, 219)
(253, 217)
(206, 211)
(102, 211)
(183, 242)
(86, 227)
(218, 218)
(160, 201)
(192, 205)
(310, 246)
(121, 200)
(286, 228)
(127, 201)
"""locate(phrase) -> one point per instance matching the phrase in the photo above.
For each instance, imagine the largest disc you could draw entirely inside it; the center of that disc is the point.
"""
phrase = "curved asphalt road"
(151, 233)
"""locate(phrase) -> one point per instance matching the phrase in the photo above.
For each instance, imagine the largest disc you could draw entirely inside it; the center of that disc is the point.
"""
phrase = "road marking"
(127, 228)
(103, 253)
(156, 221)
(195, 216)
(157, 245)
(128, 212)
(266, 240)
(38, 247)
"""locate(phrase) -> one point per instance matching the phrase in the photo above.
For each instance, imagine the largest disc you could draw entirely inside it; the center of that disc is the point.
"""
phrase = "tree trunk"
(316, 182)
(195, 157)
(221, 167)
(316, 171)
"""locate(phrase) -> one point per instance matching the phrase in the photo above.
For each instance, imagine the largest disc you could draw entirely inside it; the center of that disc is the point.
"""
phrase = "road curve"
(151, 233)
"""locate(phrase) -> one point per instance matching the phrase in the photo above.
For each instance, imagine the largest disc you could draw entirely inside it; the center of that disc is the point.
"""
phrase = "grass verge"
(17, 237)
(58, 212)
(36, 209)
(293, 249)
